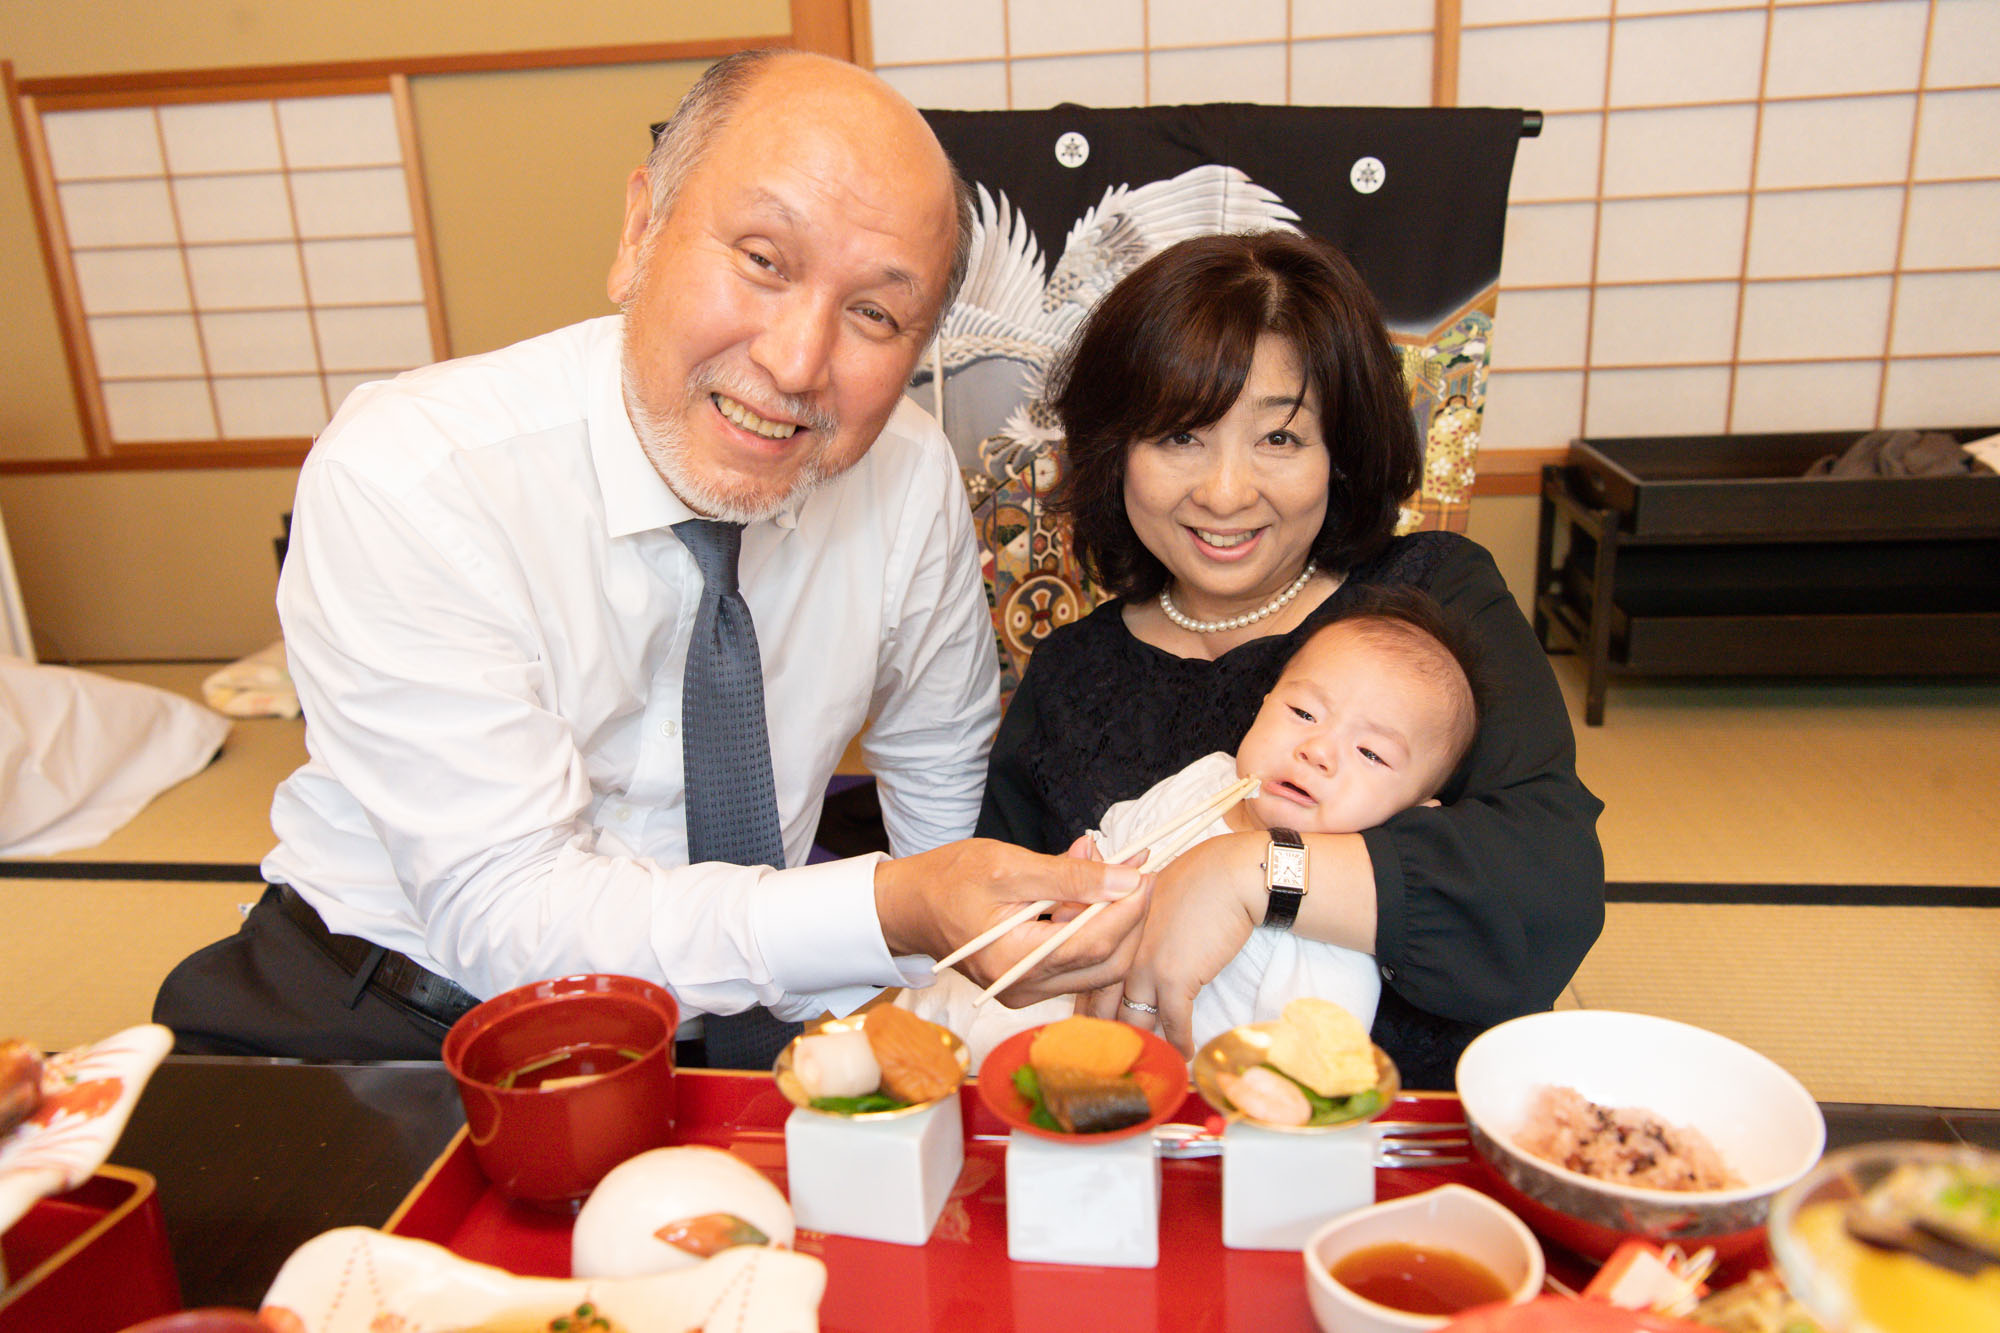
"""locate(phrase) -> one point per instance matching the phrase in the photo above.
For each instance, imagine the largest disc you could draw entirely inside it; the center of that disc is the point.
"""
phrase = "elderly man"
(541, 603)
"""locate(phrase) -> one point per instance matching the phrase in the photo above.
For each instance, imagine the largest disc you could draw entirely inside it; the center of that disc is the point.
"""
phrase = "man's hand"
(935, 901)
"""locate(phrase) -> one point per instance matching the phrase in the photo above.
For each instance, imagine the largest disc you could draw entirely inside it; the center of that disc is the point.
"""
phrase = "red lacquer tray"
(961, 1280)
(92, 1258)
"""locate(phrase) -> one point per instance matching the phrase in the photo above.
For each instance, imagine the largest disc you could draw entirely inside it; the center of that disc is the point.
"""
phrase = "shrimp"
(1265, 1095)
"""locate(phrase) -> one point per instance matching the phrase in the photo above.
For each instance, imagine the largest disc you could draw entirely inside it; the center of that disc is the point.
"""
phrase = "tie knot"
(714, 545)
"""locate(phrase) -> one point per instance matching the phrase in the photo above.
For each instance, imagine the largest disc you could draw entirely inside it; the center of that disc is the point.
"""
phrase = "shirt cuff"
(817, 929)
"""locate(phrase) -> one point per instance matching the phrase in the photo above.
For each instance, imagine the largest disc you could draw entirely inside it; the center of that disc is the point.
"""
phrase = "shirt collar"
(635, 497)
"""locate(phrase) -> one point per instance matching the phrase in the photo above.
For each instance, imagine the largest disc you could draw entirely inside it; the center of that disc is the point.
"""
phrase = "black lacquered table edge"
(255, 1157)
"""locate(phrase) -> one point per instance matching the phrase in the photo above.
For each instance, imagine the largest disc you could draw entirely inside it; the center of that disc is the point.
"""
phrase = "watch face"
(1288, 866)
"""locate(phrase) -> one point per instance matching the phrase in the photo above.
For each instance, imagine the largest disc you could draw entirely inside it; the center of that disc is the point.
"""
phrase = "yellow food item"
(1088, 1045)
(917, 1062)
(1324, 1047)
(1897, 1291)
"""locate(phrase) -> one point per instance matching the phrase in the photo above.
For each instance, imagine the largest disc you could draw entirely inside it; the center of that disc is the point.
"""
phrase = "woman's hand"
(1202, 911)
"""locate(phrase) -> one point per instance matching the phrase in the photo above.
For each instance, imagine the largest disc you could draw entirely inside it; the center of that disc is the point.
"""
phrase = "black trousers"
(269, 990)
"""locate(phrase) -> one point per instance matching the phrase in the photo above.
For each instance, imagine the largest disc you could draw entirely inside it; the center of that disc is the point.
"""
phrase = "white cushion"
(80, 754)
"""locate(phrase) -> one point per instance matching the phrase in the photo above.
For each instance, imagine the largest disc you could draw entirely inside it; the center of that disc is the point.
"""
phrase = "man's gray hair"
(682, 144)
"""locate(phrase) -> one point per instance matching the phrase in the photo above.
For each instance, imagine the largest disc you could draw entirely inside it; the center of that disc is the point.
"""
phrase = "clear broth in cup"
(569, 1064)
(1418, 1279)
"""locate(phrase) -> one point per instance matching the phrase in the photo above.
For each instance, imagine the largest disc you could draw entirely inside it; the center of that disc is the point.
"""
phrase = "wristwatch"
(1285, 877)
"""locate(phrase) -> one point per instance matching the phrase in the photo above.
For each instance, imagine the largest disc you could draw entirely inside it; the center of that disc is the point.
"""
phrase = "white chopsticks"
(1183, 829)
(986, 937)
(1189, 823)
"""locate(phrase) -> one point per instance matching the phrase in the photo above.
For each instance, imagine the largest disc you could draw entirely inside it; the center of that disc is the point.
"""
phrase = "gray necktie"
(732, 802)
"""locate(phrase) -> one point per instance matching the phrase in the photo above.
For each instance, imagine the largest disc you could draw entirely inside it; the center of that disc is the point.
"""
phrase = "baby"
(1369, 718)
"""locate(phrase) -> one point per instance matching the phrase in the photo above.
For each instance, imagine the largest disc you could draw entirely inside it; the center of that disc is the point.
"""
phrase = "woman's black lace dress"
(1485, 907)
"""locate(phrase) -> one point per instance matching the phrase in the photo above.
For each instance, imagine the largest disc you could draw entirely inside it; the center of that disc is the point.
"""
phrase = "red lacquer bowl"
(1159, 1069)
(550, 1144)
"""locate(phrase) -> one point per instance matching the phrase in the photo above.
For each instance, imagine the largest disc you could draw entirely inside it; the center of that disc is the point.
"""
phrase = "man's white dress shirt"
(487, 617)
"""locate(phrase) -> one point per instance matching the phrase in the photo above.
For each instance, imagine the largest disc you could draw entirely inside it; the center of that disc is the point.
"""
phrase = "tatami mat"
(1862, 1004)
(1704, 783)
(1810, 783)
(224, 813)
(1794, 783)
(91, 953)
(83, 957)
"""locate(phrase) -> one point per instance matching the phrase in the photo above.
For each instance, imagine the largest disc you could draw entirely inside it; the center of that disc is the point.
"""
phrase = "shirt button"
(670, 729)
(1388, 973)
(624, 812)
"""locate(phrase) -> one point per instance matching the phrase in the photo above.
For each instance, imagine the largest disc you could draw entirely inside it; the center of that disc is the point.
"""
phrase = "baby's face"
(1347, 738)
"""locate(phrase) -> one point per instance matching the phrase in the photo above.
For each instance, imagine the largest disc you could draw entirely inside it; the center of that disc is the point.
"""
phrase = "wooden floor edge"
(1513, 471)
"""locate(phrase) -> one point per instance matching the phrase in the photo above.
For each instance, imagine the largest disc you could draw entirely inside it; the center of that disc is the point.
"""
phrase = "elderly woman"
(1239, 444)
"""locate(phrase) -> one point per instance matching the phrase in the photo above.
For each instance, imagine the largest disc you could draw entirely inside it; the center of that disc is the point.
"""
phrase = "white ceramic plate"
(87, 1096)
(359, 1280)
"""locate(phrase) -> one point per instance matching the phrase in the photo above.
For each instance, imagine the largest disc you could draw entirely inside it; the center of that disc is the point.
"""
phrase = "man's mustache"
(731, 383)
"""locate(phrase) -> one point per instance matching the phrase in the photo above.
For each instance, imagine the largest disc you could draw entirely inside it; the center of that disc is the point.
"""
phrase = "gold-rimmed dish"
(1244, 1048)
(795, 1092)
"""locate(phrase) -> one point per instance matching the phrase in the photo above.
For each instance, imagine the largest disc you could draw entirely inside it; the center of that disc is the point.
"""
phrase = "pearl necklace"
(1270, 608)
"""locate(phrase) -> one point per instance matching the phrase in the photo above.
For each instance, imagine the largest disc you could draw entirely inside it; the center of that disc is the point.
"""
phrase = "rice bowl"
(1766, 1126)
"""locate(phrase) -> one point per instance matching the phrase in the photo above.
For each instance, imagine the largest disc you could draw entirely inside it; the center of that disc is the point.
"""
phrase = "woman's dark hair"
(1169, 349)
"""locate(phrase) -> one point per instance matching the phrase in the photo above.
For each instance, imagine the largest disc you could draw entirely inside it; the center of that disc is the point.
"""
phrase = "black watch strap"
(1285, 877)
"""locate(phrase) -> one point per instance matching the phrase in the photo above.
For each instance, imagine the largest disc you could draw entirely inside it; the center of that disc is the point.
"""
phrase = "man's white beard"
(663, 438)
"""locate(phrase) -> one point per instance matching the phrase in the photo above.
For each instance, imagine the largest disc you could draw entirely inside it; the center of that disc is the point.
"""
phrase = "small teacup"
(1450, 1217)
(564, 1079)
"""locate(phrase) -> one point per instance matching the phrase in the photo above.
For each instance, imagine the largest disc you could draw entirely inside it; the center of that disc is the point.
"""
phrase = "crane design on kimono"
(998, 342)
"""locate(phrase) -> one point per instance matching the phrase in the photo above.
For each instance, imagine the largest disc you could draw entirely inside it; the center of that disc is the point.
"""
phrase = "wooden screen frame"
(829, 27)
(1515, 471)
(86, 379)
(1604, 109)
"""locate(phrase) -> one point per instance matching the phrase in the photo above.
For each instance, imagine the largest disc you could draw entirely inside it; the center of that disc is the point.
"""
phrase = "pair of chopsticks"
(1173, 837)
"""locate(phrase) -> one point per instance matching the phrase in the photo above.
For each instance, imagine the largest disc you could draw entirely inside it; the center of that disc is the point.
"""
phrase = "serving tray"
(91, 1258)
(962, 1279)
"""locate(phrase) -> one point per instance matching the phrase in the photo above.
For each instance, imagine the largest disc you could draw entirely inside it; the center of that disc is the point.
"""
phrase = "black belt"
(384, 971)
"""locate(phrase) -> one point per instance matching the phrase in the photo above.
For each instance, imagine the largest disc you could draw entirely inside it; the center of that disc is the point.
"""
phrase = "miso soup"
(570, 1064)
